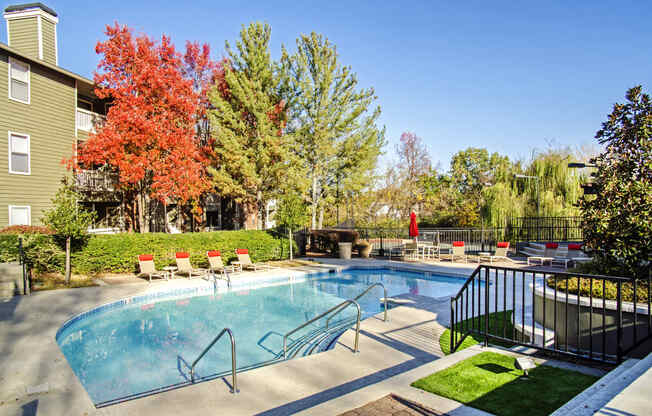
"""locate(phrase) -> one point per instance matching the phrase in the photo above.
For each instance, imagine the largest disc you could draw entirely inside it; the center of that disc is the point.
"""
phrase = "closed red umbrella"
(414, 228)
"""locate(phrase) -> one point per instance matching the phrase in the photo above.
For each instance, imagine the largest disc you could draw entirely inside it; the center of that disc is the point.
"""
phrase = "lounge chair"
(458, 251)
(147, 267)
(549, 254)
(184, 266)
(500, 254)
(246, 263)
(216, 265)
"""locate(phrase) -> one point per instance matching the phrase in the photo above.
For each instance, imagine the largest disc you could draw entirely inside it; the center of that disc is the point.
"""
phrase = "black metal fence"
(22, 259)
(523, 229)
(533, 309)
(516, 230)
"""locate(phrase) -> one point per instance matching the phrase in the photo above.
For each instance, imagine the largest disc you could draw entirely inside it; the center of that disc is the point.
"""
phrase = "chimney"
(32, 30)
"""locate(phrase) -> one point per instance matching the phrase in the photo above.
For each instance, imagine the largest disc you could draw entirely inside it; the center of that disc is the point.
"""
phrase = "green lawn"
(495, 327)
(489, 382)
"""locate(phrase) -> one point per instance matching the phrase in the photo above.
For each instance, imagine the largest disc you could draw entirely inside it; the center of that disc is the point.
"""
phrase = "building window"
(18, 81)
(20, 215)
(19, 162)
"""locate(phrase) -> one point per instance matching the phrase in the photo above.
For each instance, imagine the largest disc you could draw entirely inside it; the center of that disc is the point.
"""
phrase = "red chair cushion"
(458, 243)
(574, 246)
(213, 253)
(503, 244)
(552, 245)
(241, 251)
(182, 255)
(145, 257)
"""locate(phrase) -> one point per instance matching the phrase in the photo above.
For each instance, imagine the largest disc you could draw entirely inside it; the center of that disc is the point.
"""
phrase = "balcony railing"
(87, 120)
(95, 181)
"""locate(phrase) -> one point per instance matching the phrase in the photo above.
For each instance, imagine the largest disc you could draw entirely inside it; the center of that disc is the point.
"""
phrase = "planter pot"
(345, 250)
(586, 319)
(365, 251)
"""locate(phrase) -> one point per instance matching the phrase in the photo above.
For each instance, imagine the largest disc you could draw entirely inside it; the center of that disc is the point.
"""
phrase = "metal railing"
(234, 382)
(335, 310)
(22, 260)
(361, 295)
(96, 181)
(535, 309)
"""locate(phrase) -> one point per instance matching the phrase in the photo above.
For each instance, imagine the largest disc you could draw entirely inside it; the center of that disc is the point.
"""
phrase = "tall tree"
(333, 123)
(618, 219)
(250, 153)
(149, 135)
(414, 162)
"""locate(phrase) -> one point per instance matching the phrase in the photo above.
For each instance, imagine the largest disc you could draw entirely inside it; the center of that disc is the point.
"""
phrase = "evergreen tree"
(618, 220)
(333, 125)
(250, 152)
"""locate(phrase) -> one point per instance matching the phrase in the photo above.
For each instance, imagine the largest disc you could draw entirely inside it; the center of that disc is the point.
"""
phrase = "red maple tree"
(150, 136)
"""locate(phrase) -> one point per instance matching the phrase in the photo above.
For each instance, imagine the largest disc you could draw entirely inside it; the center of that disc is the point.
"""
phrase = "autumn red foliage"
(150, 136)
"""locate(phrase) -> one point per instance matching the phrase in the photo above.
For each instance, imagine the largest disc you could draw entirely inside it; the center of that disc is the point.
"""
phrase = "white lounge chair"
(147, 267)
(246, 263)
(500, 254)
(184, 266)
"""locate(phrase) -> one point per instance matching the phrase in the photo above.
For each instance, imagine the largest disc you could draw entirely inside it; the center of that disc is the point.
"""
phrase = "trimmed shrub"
(26, 229)
(117, 253)
(327, 240)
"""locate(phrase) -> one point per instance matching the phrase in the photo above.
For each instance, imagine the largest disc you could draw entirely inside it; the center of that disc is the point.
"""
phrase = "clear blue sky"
(506, 76)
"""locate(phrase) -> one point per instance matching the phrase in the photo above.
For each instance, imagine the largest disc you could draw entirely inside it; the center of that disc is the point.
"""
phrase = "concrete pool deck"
(35, 378)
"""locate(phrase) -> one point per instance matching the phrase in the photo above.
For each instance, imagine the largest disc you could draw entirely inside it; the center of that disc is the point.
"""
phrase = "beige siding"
(49, 41)
(23, 35)
(49, 120)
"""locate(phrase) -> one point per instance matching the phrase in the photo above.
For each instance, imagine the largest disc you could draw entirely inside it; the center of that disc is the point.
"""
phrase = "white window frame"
(29, 213)
(29, 153)
(29, 80)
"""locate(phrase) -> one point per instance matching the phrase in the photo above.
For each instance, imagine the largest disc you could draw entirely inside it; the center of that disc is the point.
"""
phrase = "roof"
(27, 6)
(4, 46)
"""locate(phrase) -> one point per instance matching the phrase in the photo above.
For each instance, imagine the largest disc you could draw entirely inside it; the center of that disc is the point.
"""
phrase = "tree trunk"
(141, 212)
(321, 217)
(68, 261)
(250, 214)
(290, 239)
(313, 205)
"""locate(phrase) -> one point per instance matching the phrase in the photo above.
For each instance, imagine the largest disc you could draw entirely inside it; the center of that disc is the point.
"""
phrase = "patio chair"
(502, 248)
(458, 251)
(216, 265)
(549, 254)
(184, 266)
(147, 267)
(246, 263)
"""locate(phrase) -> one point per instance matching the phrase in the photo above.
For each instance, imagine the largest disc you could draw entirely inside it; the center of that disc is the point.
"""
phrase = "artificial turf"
(497, 320)
(489, 381)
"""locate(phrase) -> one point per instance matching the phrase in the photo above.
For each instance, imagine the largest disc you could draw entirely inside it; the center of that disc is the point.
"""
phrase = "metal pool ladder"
(234, 388)
(361, 295)
(337, 309)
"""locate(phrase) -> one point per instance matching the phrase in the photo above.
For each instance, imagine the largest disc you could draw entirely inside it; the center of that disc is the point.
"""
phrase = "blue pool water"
(138, 348)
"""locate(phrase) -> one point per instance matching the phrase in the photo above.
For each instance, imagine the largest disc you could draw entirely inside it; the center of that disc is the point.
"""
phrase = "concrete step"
(601, 392)
(529, 251)
(537, 246)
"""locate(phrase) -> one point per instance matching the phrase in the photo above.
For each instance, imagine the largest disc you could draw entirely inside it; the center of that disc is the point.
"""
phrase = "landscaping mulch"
(392, 405)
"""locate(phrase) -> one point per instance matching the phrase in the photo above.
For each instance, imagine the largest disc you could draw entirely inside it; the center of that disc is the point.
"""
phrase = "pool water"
(139, 348)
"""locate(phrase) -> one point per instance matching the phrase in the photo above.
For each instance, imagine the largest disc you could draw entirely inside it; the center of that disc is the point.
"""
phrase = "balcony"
(95, 181)
(87, 120)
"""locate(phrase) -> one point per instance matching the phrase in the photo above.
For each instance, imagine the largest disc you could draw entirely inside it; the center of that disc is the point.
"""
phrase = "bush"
(583, 287)
(117, 253)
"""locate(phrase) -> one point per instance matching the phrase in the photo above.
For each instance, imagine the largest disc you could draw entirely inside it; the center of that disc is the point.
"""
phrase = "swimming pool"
(141, 346)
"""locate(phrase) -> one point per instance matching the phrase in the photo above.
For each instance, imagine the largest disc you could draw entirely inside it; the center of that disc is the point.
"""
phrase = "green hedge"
(117, 253)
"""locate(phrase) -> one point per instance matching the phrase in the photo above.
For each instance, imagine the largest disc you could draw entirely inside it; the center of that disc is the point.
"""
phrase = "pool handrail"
(339, 308)
(234, 387)
(364, 293)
